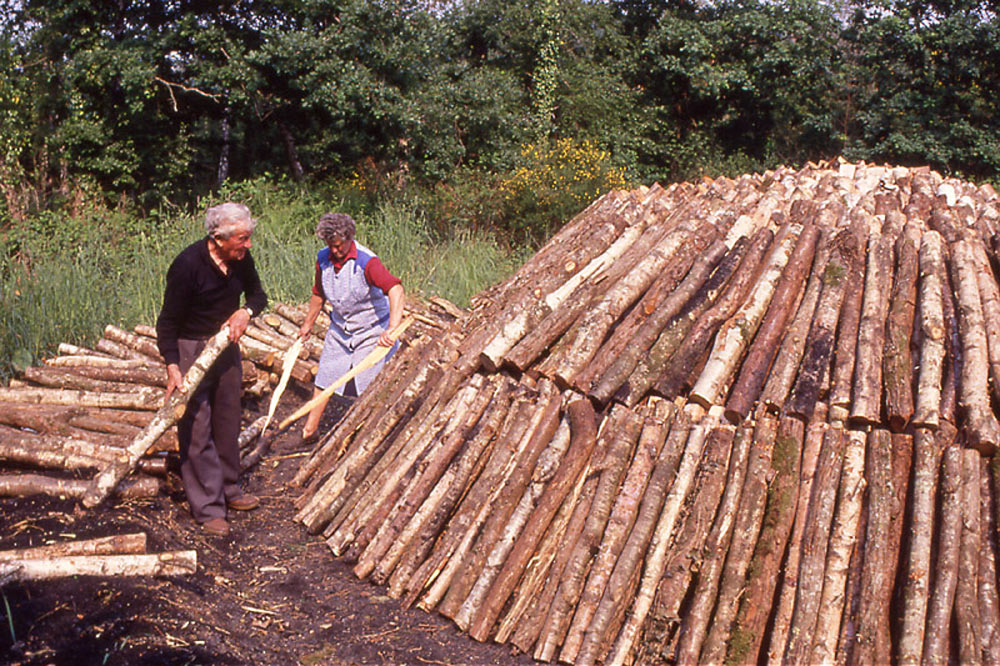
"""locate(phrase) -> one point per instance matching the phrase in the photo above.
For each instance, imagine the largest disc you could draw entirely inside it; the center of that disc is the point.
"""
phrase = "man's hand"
(174, 379)
(304, 331)
(238, 322)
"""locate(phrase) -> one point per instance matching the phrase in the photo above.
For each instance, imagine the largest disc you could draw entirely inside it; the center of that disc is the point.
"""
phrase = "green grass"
(64, 280)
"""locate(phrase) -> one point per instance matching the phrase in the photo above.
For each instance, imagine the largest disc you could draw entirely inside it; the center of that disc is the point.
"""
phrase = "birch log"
(633, 386)
(897, 361)
(786, 362)
(820, 341)
(624, 644)
(942, 599)
(104, 483)
(841, 544)
(746, 529)
(736, 334)
(866, 406)
(966, 589)
(620, 523)
(116, 544)
(927, 449)
(981, 425)
(695, 344)
(583, 440)
(871, 642)
(620, 368)
(759, 599)
(176, 563)
(622, 439)
(755, 367)
(815, 542)
(932, 328)
(989, 600)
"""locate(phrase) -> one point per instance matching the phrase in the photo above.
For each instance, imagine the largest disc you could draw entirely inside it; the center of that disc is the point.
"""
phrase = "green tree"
(927, 85)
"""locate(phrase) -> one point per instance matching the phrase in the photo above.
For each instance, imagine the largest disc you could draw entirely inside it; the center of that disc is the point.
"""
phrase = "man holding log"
(204, 285)
(367, 302)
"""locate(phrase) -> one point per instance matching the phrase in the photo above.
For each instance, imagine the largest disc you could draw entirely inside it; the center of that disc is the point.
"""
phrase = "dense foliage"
(146, 101)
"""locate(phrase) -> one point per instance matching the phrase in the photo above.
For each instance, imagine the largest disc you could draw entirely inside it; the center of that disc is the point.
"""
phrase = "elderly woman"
(204, 286)
(366, 300)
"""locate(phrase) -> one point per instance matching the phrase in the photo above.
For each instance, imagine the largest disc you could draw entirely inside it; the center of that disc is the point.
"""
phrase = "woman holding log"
(204, 284)
(367, 302)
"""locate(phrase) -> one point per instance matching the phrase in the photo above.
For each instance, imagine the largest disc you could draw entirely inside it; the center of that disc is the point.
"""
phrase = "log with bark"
(177, 563)
(107, 479)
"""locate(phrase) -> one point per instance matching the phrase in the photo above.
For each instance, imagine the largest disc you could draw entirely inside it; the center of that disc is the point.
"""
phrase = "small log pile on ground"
(84, 409)
(120, 555)
(737, 420)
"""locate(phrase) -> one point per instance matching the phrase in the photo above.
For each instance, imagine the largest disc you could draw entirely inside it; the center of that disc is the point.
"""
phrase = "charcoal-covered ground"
(268, 594)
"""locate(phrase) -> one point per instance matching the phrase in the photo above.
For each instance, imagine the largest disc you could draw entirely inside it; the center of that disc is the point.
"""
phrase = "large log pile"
(101, 409)
(736, 420)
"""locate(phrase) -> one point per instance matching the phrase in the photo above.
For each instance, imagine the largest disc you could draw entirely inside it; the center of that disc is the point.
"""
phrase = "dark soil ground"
(270, 593)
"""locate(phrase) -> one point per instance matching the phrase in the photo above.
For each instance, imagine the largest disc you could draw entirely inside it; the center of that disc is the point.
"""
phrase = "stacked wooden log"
(83, 408)
(120, 555)
(731, 420)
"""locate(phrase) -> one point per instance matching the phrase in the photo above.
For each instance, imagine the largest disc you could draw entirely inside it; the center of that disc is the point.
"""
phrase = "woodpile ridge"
(738, 420)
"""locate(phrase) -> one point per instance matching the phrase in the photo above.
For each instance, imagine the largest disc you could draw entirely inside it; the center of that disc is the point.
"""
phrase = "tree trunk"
(648, 368)
(942, 600)
(621, 441)
(109, 545)
(981, 425)
(841, 544)
(966, 591)
(757, 364)
(758, 601)
(786, 362)
(656, 554)
(746, 529)
(927, 448)
(866, 406)
(845, 355)
(177, 563)
(897, 361)
(989, 601)
(132, 341)
(620, 523)
(815, 542)
(22, 485)
(583, 430)
(932, 328)
(738, 331)
(820, 342)
(695, 344)
(146, 398)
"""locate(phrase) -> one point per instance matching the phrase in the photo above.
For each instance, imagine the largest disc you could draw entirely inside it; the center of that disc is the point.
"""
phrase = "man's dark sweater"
(199, 298)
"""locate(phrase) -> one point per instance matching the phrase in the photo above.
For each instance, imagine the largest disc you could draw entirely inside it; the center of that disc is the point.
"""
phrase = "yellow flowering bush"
(553, 181)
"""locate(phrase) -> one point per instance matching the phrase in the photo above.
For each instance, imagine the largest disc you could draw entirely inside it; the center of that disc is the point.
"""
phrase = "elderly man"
(204, 285)
(366, 300)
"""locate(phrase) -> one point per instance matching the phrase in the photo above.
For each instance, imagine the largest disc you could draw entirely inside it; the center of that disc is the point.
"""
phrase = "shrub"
(554, 181)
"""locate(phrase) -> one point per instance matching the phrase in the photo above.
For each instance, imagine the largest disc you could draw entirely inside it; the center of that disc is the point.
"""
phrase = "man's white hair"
(228, 218)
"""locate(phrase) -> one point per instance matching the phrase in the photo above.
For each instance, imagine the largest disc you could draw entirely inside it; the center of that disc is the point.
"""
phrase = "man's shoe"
(243, 503)
(216, 527)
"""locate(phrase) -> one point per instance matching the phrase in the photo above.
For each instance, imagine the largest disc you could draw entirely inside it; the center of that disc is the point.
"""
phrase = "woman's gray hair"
(335, 226)
(226, 219)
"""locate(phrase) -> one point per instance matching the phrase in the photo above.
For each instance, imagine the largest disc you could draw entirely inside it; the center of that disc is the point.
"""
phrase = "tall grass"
(67, 281)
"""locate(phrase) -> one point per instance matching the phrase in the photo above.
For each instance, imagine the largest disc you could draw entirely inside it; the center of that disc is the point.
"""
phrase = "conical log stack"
(736, 420)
